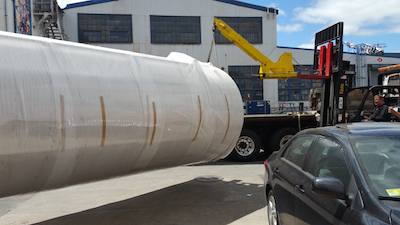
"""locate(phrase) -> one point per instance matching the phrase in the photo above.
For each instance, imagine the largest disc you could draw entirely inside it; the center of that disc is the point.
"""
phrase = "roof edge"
(86, 3)
(233, 2)
(247, 5)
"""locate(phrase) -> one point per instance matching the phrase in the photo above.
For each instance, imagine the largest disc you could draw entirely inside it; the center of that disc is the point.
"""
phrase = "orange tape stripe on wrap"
(201, 115)
(63, 132)
(229, 119)
(103, 115)
(148, 122)
(155, 123)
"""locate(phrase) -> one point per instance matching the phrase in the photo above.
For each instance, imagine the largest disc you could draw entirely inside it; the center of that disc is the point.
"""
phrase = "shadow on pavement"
(259, 159)
(192, 202)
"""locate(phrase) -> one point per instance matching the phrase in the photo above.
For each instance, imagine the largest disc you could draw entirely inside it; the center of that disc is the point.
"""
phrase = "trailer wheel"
(246, 147)
(281, 137)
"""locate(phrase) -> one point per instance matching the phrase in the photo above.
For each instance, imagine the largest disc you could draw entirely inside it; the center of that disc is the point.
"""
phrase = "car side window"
(297, 150)
(327, 160)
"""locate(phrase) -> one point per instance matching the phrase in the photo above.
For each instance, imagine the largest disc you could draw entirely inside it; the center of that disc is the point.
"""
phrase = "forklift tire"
(282, 136)
(247, 147)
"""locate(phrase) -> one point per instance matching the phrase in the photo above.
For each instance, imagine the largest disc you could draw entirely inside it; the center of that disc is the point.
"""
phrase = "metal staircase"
(52, 31)
(46, 14)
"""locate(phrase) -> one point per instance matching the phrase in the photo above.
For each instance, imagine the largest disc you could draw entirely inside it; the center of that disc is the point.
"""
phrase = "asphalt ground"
(218, 193)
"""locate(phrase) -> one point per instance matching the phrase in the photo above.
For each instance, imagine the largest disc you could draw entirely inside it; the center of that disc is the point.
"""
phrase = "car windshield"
(380, 157)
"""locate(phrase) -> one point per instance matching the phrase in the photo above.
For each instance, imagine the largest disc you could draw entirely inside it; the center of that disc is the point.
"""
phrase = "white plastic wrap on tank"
(73, 113)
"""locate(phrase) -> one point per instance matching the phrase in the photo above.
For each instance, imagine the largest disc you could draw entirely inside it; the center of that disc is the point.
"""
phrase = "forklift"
(340, 102)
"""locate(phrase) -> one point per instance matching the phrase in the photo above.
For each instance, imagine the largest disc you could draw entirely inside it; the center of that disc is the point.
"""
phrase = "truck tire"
(281, 137)
(247, 146)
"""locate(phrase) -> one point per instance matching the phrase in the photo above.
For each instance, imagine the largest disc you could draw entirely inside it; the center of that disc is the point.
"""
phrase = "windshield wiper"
(388, 198)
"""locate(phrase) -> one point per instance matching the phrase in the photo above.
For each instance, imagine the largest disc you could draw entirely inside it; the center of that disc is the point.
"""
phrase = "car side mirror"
(329, 187)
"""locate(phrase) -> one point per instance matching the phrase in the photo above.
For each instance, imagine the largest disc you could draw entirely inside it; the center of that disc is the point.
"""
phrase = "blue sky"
(365, 21)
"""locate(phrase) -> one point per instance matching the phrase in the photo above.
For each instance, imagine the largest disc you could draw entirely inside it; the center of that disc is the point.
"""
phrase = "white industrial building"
(158, 27)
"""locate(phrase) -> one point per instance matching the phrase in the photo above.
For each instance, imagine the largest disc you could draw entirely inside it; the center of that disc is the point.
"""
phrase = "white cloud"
(273, 4)
(309, 46)
(290, 28)
(360, 17)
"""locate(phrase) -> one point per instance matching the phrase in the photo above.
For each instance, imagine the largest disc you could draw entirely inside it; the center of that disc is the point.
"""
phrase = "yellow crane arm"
(282, 69)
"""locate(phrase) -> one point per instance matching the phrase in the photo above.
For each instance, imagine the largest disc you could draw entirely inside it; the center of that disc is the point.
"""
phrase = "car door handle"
(299, 189)
(276, 170)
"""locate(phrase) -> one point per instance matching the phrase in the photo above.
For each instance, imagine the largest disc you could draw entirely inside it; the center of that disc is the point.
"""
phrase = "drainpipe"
(5, 10)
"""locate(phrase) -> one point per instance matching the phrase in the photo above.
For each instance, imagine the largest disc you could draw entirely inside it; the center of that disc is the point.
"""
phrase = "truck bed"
(282, 120)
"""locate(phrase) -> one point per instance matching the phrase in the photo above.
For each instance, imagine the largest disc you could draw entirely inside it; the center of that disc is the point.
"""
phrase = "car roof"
(352, 130)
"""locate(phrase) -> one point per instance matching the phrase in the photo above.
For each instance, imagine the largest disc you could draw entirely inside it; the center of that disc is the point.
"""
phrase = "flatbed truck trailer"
(268, 132)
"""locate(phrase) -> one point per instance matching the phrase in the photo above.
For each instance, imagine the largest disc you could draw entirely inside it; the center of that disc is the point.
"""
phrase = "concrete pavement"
(169, 196)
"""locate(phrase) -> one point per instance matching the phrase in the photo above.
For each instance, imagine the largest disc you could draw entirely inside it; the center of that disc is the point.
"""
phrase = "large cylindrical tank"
(73, 113)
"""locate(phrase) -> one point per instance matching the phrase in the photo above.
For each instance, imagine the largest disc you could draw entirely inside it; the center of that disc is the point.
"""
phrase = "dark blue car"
(346, 174)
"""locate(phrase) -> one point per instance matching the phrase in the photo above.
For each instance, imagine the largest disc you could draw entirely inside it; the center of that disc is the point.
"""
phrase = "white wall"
(207, 9)
(2, 15)
(6, 15)
(222, 55)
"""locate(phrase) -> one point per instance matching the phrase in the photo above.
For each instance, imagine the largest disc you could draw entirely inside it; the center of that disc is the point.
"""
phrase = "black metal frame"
(334, 88)
(374, 89)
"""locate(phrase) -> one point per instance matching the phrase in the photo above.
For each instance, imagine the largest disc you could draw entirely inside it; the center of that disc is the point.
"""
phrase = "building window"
(175, 29)
(250, 28)
(297, 89)
(105, 28)
(248, 85)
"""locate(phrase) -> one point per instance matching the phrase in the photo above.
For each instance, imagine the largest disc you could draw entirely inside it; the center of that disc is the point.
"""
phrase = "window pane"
(283, 84)
(306, 83)
(92, 36)
(257, 95)
(247, 84)
(305, 93)
(303, 69)
(327, 161)
(246, 71)
(118, 36)
(245, 94)
(298, 89)
(380, 157)
(295, 95)
(297, 150)
(175, 29)
(257, 83)
(283, 95)
(250, 28)
(294, 83)
(107, 28)
(317, 83)
(234, 71)
(255, 69)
